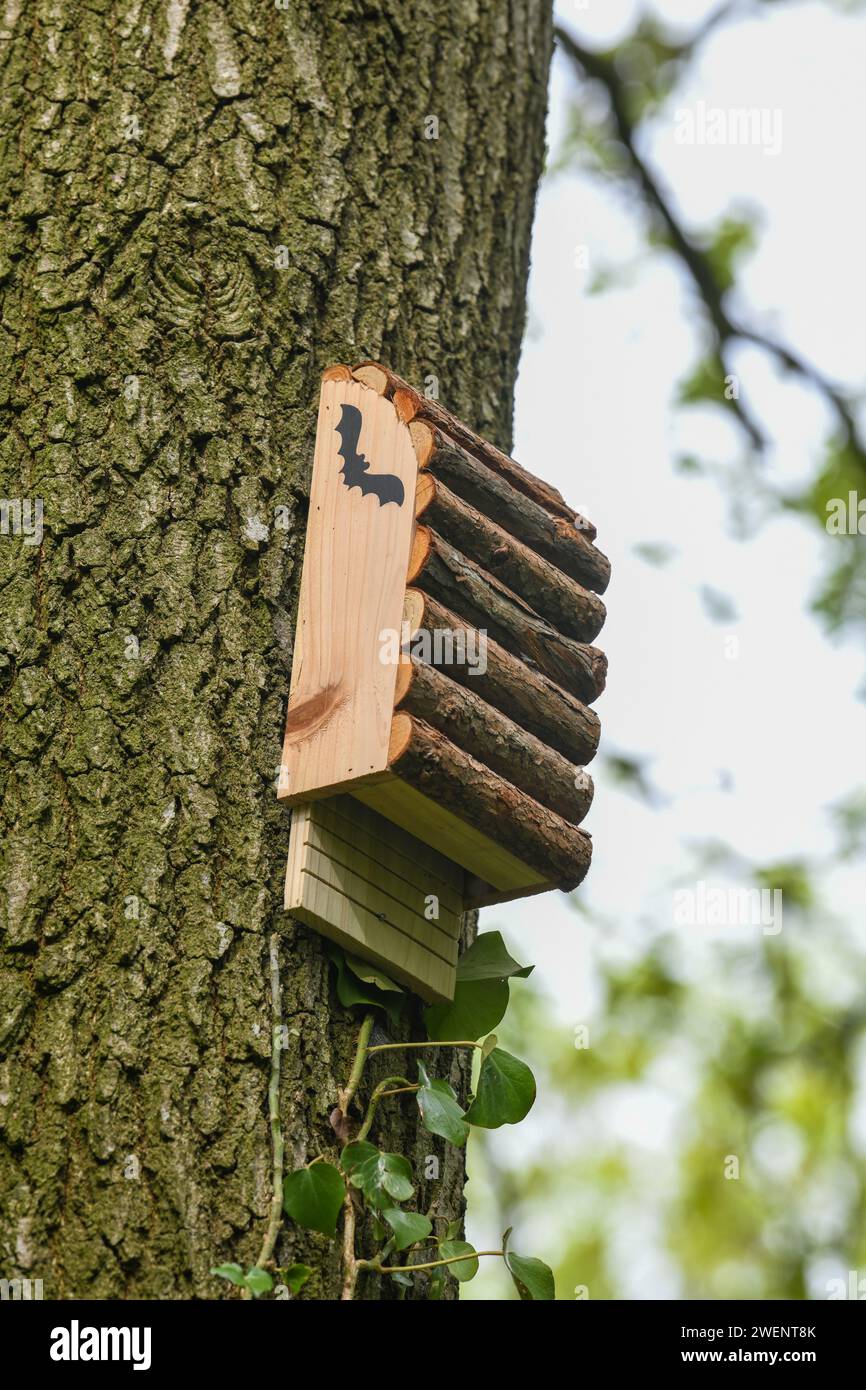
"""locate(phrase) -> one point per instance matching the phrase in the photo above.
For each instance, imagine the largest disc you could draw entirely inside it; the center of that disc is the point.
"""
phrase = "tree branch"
(728, 331)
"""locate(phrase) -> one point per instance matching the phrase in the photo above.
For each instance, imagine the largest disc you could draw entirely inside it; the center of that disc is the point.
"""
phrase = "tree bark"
(205, 205)
(433, 765)
(494, 739)
(560, 600)
(526, 696)
(558, 540)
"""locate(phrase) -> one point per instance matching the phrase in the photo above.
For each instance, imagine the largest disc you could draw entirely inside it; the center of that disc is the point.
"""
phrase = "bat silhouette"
(386, 486)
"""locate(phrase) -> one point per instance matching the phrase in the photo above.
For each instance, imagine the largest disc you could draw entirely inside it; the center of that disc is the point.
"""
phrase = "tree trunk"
(205, 205)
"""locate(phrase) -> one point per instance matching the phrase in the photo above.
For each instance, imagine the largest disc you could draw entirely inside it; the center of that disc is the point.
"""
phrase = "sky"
(752, 724)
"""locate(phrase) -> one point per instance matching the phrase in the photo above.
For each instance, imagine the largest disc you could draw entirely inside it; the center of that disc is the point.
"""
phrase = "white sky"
(783, 719)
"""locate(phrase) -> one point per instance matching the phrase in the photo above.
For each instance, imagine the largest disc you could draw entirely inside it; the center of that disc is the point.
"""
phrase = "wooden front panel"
(369, 886)
(354, 578)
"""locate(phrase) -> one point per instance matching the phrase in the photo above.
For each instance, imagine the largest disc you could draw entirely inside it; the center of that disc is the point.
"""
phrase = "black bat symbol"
(386, 486)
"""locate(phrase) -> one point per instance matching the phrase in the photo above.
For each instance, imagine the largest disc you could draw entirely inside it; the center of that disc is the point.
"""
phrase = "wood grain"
(342, 692)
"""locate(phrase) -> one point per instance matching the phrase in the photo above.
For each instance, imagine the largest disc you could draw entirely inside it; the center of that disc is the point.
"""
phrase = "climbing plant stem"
(377, 1095)
(270, 1237)
(388, 1047)
(431, 1264)
(357, 1071)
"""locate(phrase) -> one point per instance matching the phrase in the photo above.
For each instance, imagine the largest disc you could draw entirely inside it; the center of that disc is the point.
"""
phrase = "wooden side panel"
(354, 877)
(354, 578)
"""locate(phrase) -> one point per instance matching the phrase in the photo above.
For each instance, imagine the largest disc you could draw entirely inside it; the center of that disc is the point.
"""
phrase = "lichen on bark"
(204, 204)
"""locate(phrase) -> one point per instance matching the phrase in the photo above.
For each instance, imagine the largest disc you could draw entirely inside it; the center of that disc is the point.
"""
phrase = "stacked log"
(497, 555)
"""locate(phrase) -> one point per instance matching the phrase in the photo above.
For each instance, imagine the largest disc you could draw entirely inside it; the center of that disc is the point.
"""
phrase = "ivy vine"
(366, 1179)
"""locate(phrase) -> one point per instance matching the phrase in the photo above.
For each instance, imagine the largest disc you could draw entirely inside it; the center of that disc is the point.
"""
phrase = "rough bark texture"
(552, 536)
(528, 697)
(494, 739)
(564, 603)
(432, 764)
(205, 204)
(484, 601)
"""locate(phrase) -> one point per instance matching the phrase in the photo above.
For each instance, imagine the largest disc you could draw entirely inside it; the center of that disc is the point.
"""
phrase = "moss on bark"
(204, 204)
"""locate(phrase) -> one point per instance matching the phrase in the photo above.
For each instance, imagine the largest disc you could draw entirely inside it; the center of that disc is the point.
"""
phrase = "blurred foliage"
(702, 1133)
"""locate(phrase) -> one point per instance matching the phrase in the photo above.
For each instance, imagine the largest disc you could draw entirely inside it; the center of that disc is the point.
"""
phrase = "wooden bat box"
(438, 721)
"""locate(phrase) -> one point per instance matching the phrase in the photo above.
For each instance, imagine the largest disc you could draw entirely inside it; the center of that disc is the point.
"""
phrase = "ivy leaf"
(439, 1108)
(481, 993)
(408, 1226)
(505, 1091)
(372, 976)
(296, 1277)
(233, 1273)
(461, 1269)
(258, 1281)
(477, 1006)
(384, 1179)
(488, 1045)
(352, 990)
(313, 1197)
(532, 1278)
(488, 959)
(357, 1152)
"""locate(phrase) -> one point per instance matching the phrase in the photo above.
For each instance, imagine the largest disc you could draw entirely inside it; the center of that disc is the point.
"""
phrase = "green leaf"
(233, 1273)
(258, 1281)
(533, 1279)
(488, 959)
(478, 1006)
(352, 990)
(461, 1269)
(488, 1045)
(357, 1152)
(408, 1226)
(372, 976)
(296, 1276)
(481, 993)
(436, 1286)
(505, 1091)
(439, 1108)
(313, 1197)
(384, 1179)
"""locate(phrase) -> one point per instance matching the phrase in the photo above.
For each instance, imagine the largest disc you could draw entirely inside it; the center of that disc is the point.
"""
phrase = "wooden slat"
(399, 897)
(453, 837)
(358, 901)
(386, 845)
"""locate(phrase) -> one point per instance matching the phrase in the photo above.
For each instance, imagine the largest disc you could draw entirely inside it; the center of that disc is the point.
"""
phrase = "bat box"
(439, 718)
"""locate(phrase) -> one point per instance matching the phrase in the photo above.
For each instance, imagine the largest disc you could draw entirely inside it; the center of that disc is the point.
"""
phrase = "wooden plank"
(354, 577)
(376, 899)
(404, 897)
(384, 848)
(453, 837)
(328, 887)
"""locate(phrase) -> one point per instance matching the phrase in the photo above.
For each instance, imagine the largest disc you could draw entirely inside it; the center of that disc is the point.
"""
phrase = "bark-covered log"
(493, 739)
(411, 405)
(528, 697)
(538, 837)
(555, 597)
(563, 543)
(484, 602)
